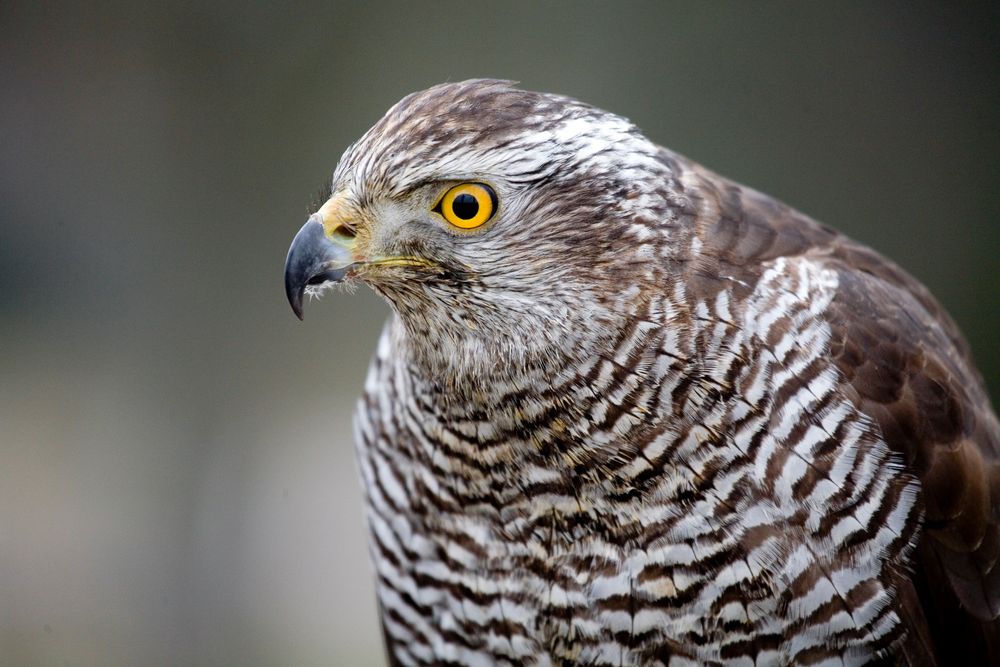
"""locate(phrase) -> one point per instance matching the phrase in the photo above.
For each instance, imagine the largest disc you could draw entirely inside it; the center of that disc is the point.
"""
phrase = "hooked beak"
(317, 256)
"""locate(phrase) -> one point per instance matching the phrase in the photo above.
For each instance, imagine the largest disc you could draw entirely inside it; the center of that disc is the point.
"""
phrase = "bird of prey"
(628, 412)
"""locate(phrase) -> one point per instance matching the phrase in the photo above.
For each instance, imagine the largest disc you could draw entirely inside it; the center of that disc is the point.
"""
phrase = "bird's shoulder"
(902, 361)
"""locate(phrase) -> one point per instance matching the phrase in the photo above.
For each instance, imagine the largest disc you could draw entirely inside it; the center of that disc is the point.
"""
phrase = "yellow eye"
(468, 205)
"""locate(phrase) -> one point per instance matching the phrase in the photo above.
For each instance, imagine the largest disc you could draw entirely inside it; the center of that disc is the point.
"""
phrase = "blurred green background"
(177, 484)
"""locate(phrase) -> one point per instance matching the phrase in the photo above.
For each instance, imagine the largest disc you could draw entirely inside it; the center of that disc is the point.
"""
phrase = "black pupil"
(465, 206)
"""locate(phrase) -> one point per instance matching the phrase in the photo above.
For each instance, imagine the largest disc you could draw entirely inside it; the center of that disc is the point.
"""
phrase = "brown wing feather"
(905, 364)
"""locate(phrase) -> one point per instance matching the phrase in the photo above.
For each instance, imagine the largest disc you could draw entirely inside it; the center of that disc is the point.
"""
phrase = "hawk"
(629, 412)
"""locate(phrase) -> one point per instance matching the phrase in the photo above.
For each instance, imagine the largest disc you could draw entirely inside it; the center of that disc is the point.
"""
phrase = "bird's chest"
(535, 573)
(553, 579)
(673, 516)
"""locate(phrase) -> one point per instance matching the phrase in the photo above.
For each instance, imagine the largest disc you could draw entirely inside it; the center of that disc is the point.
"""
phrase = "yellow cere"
(468, 205)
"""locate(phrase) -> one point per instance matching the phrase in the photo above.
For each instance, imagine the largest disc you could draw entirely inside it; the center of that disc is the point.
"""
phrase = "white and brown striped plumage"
(649, 416)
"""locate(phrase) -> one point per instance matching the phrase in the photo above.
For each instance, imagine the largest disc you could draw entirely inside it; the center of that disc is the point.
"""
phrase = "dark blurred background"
(177, 484)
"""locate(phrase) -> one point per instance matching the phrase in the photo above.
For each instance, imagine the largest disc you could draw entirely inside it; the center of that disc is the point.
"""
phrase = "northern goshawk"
(629, 412)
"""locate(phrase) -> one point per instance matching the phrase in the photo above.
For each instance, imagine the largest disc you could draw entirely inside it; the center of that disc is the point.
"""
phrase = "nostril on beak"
(343, 233)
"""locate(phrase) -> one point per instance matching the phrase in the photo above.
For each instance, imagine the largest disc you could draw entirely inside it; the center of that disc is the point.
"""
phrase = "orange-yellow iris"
(468, 205)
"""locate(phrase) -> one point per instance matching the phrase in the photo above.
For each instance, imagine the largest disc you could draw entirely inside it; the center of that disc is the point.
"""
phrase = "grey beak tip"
(297, 308)
(294, 291)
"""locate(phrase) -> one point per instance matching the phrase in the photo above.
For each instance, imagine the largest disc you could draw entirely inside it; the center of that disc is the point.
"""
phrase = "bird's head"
(503, 226)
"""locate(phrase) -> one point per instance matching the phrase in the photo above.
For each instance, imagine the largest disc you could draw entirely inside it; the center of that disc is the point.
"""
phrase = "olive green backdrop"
(177, 484)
